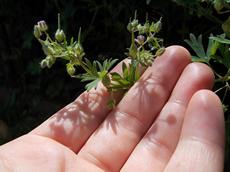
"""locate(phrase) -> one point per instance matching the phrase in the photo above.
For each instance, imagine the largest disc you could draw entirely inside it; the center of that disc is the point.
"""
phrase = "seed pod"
(59, 35)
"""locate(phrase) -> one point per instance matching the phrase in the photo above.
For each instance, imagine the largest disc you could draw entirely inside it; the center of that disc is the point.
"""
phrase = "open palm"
(168, 121)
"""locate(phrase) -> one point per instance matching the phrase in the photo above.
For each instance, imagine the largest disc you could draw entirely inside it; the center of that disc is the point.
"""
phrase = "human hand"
(166, 122)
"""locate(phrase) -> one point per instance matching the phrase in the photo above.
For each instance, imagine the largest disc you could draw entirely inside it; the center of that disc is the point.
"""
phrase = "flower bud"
(134, 23)
(59, 35)
(79, 51)
(140, 39)
(37, 32)
(156, 27)
(70, 69)
(42, 26)
(51, 60)
(132, 26)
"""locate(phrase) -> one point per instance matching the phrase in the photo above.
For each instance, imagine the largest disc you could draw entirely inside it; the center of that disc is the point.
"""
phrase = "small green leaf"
(220, 39)
(116, 76)
(106, 81)
(100, 65)
(125, 70)
(111, 103)
(226, 26)
(212, 47)
(225, 54)
(196, 45)
(92, 84)
(119, 82)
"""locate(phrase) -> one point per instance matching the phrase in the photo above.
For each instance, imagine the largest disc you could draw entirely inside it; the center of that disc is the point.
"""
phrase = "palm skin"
(168, 121)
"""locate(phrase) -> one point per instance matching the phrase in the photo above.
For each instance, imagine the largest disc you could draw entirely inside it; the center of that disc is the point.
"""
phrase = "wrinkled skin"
(168, 121)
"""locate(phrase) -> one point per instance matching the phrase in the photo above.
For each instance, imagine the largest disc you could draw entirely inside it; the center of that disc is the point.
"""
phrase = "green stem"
(48, 37)
(220, 89)
(79, 36)
(226, 91)
(59, 21)
(224, 12)
(84, 66)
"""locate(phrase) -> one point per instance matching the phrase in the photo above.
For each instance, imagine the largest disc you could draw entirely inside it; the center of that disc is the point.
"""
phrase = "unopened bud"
(70, 69)
(158, 26)
(132, 26)
(59, 35)
(79, 50)
(50, 61)
(37, 32)
(42, 26)
(140, 39)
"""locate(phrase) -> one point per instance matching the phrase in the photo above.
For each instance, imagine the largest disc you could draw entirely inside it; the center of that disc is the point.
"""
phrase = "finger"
(201, 146)
(73, 125)
(157, 146)
(112, 143)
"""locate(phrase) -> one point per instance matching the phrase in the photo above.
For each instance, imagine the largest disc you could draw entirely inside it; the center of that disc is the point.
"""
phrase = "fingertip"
(204, 118)
(201, 146)
(179, 51)
(202, 71)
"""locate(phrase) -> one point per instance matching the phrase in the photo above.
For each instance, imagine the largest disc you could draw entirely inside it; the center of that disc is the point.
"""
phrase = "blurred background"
(29, 95)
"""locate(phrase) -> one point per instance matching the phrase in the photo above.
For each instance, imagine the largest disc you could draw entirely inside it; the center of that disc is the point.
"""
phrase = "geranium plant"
(145, 47)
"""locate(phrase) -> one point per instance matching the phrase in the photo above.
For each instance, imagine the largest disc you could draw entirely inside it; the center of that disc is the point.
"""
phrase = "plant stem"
(59, 21)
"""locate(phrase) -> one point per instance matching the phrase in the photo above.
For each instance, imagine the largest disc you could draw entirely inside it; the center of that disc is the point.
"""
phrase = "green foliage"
(197, 45)
(130, 74)
(223, 46)
(145, 46)
(218, 52)
(218, 49)
(96, 72)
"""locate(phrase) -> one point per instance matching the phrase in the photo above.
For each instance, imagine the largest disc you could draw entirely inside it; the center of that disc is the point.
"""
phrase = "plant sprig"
(144, 48)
